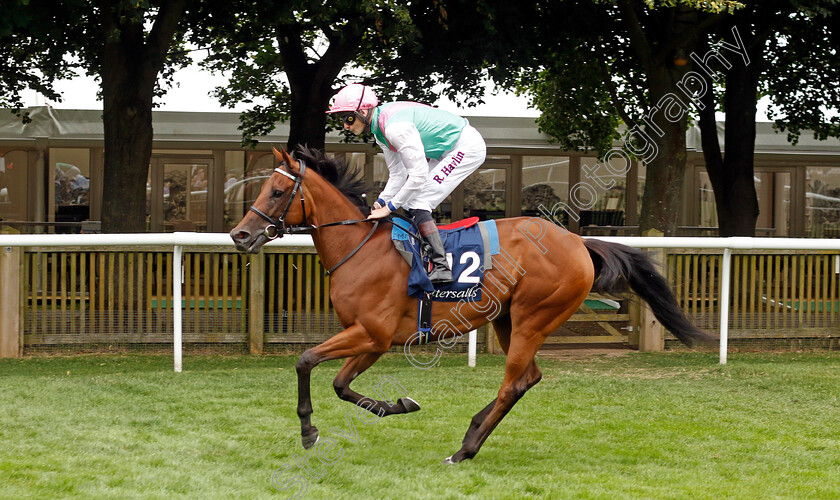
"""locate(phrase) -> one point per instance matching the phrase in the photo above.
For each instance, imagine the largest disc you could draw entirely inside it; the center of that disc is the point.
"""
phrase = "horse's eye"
(276, 193)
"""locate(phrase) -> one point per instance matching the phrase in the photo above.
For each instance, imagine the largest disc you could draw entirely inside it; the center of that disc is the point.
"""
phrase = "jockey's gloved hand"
(381, 212)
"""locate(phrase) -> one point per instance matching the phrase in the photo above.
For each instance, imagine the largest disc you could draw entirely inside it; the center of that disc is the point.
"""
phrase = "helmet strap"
(358, 113)
(361, 116)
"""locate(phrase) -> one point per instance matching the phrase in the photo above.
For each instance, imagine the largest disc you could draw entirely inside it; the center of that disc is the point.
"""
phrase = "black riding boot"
(440, 273)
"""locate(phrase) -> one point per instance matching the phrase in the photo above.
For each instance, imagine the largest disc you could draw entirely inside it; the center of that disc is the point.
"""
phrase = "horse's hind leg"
(509, 394)
(519, 377)
(528, 325)
(502, 326)
(354, 367)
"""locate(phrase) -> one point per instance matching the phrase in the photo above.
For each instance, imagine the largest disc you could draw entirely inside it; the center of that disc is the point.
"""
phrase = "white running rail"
(179, 240)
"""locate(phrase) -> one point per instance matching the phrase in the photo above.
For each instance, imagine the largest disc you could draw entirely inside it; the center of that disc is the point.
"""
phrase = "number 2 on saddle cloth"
(469, 245)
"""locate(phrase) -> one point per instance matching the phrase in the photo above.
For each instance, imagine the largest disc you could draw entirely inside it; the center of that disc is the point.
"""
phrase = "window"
(243, 182)
(772, 188)
(604, 202)
(705, 192)
(484, 193)
(177, 192)
(545, 183)
(232, 189)
(822, 202)
(70, 189)
(184, 196)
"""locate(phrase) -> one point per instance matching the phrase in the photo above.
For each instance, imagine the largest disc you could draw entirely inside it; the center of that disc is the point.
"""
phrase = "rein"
(277, 228)
(359, 247)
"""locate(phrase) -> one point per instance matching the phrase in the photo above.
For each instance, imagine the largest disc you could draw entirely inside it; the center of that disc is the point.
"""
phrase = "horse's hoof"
(309, 440)
(409, 404)
(460, 456)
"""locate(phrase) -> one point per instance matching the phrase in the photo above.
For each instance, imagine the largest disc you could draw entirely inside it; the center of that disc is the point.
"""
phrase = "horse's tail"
(615, 263)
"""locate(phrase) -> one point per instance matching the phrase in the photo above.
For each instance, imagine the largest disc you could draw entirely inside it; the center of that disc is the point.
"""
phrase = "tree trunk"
(661, 201)
(308, 120)
(311, 83)
(131, 64)
(666, 121)
(732, 174)
(128, 149)
(737, 204)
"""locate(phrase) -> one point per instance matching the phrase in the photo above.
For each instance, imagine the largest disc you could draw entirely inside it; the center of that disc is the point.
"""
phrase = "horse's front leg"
(353, 341)
(354, 367)
(308, 431)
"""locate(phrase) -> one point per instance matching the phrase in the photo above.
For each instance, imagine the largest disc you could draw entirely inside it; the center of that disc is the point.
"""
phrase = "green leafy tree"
(621, 61)
(31, 57)
(288, 61)
(732, 175)
(132, 52)
(792, 59)
(803, 86)
(289, 54)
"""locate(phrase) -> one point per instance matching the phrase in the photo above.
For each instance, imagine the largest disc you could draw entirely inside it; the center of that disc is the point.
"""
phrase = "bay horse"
(543, 277)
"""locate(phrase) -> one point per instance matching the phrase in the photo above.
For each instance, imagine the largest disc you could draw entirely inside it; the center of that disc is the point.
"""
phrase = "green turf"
(665, 425)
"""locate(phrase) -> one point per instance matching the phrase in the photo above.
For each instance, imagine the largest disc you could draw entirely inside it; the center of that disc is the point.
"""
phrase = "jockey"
(428, 152)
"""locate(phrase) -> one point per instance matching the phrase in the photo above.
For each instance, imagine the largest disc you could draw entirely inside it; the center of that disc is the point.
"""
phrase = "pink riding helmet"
(353, 98)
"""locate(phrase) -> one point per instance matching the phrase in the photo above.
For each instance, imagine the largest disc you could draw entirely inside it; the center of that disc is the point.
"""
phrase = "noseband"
(277, 228)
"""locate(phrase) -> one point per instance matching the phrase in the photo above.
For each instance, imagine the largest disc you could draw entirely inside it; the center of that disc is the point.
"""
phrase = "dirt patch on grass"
(584, 351)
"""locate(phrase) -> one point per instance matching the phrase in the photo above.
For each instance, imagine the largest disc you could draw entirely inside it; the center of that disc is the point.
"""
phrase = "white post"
(176, 306)
(471, 348)
(724, 303)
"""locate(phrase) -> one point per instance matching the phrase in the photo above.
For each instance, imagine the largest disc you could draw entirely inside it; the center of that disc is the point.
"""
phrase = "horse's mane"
(350, 181)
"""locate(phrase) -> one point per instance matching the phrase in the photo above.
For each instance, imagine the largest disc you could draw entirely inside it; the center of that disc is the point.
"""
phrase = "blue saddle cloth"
(468, 246)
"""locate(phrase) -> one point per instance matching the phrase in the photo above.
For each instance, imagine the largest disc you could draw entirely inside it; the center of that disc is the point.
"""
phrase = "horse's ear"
(280, 155)
(284, 158)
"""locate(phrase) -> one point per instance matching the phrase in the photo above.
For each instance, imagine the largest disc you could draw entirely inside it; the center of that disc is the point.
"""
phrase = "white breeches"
(447, 173)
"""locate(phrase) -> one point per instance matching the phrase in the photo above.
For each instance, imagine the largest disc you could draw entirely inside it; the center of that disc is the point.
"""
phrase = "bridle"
(277, 228)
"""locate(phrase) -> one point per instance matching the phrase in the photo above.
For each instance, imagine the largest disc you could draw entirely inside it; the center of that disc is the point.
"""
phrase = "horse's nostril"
(242, 235)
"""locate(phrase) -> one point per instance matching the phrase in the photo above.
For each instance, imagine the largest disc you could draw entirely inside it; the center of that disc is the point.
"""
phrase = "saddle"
(469, 246)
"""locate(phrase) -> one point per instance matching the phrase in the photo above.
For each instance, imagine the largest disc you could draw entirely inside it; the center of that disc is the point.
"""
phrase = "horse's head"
(274, 209)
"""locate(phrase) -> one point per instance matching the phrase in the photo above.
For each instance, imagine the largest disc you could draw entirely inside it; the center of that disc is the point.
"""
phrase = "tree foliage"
(42, 41)
(616, 63)
(287, 61)
(32, 56)
(588, 65)
(571, 79)
(128, 45)
(793, 62)
(595, 74)
(609, 68)
(802, 85)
